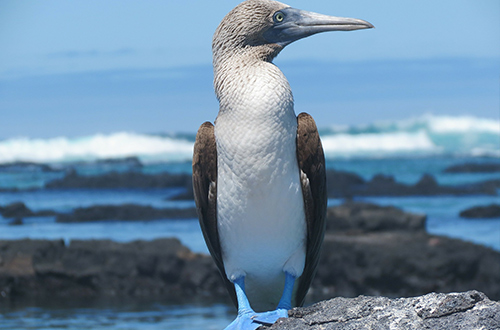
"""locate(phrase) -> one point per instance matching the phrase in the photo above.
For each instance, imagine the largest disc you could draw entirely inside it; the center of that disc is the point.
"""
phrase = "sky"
(83, 67)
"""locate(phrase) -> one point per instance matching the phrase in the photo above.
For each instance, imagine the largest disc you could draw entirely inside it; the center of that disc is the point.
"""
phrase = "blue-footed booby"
(259, 171)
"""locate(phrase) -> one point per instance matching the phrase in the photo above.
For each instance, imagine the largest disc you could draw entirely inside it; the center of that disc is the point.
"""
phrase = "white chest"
(260, 208)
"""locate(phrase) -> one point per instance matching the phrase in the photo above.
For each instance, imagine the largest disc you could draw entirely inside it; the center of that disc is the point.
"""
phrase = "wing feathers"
(313, 178)
(205, 195)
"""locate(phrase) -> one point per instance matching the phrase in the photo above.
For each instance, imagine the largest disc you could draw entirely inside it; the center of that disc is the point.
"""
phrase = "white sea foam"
(430, 123)
(427, 134)
(453, 124)
(381, 143)
(464, 124)
(98, 146)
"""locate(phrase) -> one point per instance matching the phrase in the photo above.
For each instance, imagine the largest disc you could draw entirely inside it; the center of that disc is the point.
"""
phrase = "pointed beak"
(292, 24)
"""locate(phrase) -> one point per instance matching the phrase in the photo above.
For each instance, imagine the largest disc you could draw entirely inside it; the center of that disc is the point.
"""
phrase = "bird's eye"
(279, 17)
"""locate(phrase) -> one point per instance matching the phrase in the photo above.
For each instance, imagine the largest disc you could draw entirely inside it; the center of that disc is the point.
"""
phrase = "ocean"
(404, 149)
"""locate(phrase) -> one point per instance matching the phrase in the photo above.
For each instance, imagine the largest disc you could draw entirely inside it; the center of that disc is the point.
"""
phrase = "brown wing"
(313, 178)
(205, 195)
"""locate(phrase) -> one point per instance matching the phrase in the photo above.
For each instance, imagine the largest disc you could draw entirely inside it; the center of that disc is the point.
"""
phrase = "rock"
(26, 167)
(113, 180)
(347, 185)
(356, 217)
(102, 268)
(403, 264)
(382, 185)
(125, 212)
(186, 195)
(343, 184)
(129, 162)
(451, 311)
(392, 264)
(427, 185)
(482, 212)
(16, 210)
(20, 210)
(16, 222)
(473, 168)
(489, 185)
(340, 184)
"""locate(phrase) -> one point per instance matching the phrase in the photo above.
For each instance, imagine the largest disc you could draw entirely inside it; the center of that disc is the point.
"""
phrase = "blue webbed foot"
(247, 319)
(252, 320)
(244, 322)
(270, 317)
(284, 305)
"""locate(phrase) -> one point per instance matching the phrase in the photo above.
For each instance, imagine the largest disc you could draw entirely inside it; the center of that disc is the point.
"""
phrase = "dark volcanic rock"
(120, 180)
(382, 185)
(387, 257)
(163, 267)
(474, 168)
(186, 195)
(20, 210)
(482, 212)
(127, 161)
(340, 184)
(366, 217)
(406, 264)
(452, 311)
(126, 212)
(16, 222)
(346, 185)
(16, 210)
(343, 184)
(130, 212)
(391, 264)
(26, 166)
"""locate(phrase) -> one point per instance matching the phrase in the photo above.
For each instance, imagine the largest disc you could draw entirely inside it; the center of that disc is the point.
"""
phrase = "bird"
(259, 177)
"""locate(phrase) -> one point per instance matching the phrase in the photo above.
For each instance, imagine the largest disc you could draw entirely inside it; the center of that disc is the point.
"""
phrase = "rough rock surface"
(345, 184)
(125, 212)
(16, 209)
(20, 210)
(100, 268)
(366, 217)
(26, 166)
(482, 212)
(341, 184)
(403, 264)
(393, 257)
(453, 311)
(473, 168)
(113, 180)
(388, 264)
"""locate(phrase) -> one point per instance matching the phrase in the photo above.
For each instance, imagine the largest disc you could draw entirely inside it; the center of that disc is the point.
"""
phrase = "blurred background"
(100, 103)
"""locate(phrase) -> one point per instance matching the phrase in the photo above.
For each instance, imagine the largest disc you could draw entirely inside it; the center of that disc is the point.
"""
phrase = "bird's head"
(265, 27)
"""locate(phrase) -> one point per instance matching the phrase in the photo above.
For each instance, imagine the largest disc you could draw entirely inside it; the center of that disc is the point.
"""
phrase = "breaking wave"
(100, 146)
(425, 135)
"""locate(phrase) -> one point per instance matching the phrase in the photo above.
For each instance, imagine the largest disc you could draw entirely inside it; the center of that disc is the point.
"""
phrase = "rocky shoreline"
(473, 168)
(341, 184)
(391, 256)
(482, 212)
(453, 311)
(123, 212)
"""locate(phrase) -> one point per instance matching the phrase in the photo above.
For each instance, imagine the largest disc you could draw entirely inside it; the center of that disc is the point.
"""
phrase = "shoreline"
(368, 249)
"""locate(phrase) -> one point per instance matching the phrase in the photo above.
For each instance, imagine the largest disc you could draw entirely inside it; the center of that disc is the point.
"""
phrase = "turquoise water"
(131, 317)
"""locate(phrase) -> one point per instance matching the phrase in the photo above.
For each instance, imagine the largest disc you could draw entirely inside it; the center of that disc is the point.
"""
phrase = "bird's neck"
(248, 86)
(256, 122)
